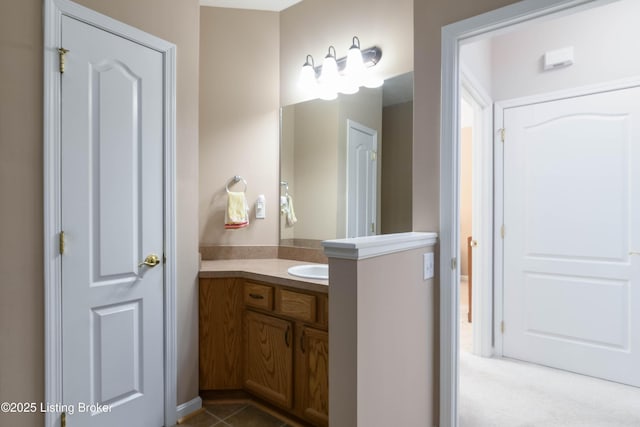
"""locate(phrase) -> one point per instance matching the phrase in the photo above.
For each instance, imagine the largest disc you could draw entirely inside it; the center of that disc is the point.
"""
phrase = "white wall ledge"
(372, 246)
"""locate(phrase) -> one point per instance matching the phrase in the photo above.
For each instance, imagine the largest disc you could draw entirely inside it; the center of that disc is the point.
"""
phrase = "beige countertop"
(266, 270)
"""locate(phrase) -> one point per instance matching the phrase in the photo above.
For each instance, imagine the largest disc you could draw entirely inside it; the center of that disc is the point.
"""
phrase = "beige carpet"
(497, 392)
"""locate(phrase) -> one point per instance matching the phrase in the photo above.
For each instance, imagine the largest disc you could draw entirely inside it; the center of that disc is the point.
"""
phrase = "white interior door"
(112, 217)
(572, 241)
(362, 180)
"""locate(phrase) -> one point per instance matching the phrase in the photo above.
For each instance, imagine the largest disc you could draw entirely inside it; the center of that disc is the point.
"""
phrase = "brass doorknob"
(474, 243)
(150, 261)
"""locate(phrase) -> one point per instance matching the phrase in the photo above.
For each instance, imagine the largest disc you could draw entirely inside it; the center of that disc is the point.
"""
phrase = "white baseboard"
(189, 407)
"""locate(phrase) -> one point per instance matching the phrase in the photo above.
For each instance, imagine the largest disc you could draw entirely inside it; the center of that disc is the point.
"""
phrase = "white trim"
(53, 12)
(373, 246)
(573, 92)
(452, 36)
(189, 407)
(498, 220)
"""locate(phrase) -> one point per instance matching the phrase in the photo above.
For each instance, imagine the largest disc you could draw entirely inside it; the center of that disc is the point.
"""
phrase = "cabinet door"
(314, 347)
(268, 355)
(220, 322)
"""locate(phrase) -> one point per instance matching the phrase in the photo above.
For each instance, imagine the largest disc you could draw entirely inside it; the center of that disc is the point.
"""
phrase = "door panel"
(112, 216)
(115, 119)
(572, 218)
(117, 352)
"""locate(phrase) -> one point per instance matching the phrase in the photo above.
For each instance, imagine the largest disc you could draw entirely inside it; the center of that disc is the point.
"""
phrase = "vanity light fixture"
(344, 75)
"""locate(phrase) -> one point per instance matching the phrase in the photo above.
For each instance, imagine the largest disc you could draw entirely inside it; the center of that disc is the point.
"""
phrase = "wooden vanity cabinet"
(269, 340)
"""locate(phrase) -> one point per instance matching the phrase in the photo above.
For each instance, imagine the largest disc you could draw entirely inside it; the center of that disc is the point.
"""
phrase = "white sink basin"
(310, 271)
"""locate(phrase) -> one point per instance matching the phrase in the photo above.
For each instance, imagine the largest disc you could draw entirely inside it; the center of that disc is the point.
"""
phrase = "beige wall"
(239, 126)
(397, 143)
(21, 299)
(429, 18)
(21, 254)
(311, 26)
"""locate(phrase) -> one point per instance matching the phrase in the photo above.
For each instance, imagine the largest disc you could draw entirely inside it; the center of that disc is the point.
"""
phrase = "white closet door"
(112, 216)
(572, 242)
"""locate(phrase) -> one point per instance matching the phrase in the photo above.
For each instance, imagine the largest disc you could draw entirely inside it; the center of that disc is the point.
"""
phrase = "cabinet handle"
(256, 296)
(302, 342)
(286, 335)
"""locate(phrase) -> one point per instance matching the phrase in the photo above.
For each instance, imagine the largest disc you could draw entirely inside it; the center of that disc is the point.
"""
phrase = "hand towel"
(237, 215)
(291, 213)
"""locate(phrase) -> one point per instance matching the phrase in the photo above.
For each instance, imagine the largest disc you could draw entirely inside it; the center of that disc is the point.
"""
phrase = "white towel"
(237, 214)
(291, 213)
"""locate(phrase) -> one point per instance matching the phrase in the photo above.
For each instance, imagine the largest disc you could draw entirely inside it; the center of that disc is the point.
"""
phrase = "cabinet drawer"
(259, 296)
(297, 305)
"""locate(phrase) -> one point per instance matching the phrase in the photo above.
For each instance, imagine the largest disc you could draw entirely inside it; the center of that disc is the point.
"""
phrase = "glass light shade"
(355, 64)
(307, 76)
(329, 75)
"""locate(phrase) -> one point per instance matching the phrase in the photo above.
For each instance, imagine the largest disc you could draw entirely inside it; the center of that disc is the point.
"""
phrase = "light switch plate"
(428, 266)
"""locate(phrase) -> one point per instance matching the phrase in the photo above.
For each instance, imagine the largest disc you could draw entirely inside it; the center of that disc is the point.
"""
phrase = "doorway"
(453, 36)
(109, 221)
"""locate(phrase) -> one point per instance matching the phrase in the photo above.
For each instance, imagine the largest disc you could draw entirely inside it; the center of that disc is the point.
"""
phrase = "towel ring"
(235, 180)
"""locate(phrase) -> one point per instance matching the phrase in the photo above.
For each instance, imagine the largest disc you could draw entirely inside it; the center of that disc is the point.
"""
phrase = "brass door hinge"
(373, 227)
(502, 327)
(374, 155)
(61, 242)
(502, 134)
(454, 263)
(61, 53)
(63, 419)
(502, 231)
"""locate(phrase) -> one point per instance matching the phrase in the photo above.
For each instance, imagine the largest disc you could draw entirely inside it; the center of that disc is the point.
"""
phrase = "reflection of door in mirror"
(314, 157)
(362, 181)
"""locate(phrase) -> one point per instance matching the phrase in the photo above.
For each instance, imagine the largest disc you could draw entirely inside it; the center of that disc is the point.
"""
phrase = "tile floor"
(234, 414)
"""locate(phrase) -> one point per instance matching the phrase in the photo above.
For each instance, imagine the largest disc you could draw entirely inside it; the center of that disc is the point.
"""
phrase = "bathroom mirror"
(345, 165)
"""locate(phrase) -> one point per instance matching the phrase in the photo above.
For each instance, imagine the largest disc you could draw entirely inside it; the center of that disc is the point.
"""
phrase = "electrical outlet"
(428, 266)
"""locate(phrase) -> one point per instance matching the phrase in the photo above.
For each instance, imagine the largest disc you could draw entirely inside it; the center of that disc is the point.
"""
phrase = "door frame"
(452, 36)
(557, 95)
(53, 12)
(482, 211)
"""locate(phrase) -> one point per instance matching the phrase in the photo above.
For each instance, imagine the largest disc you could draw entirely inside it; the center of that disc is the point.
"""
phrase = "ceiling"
(274, 5)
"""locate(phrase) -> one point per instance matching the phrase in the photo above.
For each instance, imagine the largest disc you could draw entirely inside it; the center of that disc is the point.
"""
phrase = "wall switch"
(428, 266)
(260, 207)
